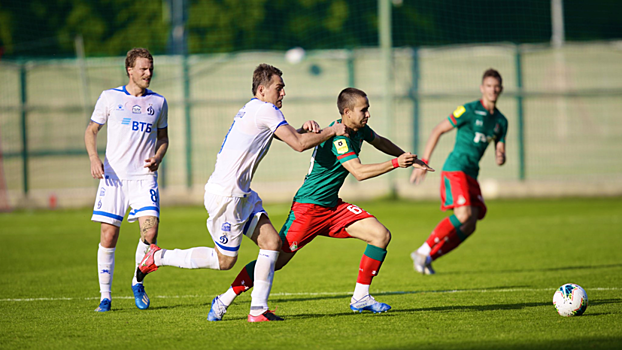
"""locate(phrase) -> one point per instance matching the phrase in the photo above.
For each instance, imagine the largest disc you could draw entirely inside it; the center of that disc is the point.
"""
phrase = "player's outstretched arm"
(418, 174)
(500, 153)
(153, 163)
(367, 171)
(301, 142)
(386, 146)
(90, 141)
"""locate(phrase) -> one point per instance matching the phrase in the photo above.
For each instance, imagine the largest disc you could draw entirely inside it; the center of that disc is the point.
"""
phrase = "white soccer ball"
(295, 55)
(570, 300)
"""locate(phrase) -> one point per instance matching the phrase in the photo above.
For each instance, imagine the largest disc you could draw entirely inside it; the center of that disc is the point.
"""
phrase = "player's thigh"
(111, 202)
(370, 230)
(144, 199)
(230, 218)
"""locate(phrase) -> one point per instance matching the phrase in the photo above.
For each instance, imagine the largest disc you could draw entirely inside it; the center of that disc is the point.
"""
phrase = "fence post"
(188, 119)
(519, 113)
(24, 122)
(351, 73)
(414, 96)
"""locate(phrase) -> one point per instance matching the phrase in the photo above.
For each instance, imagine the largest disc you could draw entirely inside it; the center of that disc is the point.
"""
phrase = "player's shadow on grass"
(551, 269)
(287, 299)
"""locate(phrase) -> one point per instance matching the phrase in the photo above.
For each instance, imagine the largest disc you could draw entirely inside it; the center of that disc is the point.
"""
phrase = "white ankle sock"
(360, 291)
(105, 266)
(228, 297)
(424, 249)
(264, 274)
(141, 250)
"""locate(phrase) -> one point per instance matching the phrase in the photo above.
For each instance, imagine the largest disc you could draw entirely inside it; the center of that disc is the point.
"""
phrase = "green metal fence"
(562, 105)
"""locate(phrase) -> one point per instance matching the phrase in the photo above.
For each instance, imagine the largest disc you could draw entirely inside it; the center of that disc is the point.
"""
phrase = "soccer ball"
(570, 300)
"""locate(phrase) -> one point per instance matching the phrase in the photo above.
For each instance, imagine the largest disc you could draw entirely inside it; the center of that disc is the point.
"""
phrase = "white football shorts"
(230, 218)
(115, 196)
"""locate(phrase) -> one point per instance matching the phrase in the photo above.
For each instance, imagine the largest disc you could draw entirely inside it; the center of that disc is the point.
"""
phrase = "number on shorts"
(154, 195)
(356, 210)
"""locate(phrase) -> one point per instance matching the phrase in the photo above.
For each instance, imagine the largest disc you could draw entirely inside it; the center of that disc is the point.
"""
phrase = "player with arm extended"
(137, 121)
(318, 210)
(234, 209)
(478, 123)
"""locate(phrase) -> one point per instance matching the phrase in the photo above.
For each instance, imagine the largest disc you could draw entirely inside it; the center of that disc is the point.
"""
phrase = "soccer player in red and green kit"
(318, 210)
(478, 123)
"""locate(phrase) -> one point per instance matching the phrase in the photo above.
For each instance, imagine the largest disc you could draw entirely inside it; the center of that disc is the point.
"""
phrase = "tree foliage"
(111, 27)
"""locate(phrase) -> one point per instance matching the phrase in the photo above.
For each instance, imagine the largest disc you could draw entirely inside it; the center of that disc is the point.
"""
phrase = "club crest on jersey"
(99, 204)
(136, 109)
(223, 239)
(150, 110)
(479, 122)
(459, 111)
(226, 227)
(341, 146)
(294, 246)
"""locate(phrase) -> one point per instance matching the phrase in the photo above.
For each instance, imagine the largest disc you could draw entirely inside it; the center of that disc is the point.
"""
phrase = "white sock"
(424, 249)
(228, 297)
(264, 274)
(105, 267)
(360, 291)
(193, 258)
(141, 250)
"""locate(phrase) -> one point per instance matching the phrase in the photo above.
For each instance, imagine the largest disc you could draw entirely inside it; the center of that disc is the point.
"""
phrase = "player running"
(234, 209)
(137, 141)
(317, 209)
(478, 123)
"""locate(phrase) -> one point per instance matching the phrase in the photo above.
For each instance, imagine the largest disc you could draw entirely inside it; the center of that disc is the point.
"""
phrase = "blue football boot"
(368, 303)
(104, 305)
(140, 296)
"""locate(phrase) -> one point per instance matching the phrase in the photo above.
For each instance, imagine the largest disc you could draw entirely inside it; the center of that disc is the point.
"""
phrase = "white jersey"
(133, 124)
(245, 145)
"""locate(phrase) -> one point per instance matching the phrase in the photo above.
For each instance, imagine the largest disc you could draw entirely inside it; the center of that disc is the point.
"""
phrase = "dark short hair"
(347, 98)
(263, 75)
(133, 54)
(494, 74)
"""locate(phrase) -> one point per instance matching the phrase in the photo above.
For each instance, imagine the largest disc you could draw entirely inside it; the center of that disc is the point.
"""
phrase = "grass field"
(494, 292)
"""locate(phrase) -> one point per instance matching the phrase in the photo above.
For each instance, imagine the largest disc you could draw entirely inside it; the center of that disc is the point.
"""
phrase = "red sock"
(244, 280)
(445, 237)
(370, 264)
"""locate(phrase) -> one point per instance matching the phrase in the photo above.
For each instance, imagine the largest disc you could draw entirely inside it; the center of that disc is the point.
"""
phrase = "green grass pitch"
(493, 292)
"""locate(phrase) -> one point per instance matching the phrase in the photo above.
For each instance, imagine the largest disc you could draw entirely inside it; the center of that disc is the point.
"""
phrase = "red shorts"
(458, 190)
(306, 221)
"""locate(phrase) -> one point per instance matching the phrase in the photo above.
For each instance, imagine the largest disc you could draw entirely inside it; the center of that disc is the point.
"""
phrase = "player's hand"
(340, 129)
(311, 126)
(406, 159)
(419, 164)
(500, 157)
(418, 175)
(152, 163)
(97, 168)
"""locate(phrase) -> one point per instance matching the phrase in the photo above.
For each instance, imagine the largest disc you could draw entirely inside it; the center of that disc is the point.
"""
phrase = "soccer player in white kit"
(137, 121)
(234, 209)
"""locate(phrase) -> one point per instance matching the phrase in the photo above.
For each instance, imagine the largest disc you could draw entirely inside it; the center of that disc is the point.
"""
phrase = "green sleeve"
(342, 149)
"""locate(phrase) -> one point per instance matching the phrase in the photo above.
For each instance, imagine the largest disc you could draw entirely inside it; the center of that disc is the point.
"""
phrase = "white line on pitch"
(510, 290)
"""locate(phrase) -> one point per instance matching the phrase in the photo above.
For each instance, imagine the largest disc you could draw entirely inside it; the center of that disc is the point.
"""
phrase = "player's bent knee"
(227, 262)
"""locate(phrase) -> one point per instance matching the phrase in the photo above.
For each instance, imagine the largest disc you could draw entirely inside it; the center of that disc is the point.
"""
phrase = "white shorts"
(230, 218)
(115, 196)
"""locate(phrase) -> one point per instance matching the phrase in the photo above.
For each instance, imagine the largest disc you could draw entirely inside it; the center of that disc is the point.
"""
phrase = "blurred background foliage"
(43, 28)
